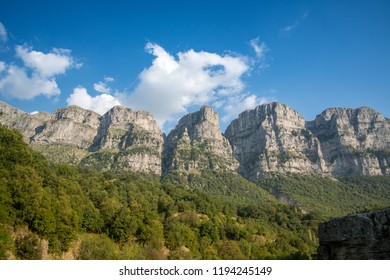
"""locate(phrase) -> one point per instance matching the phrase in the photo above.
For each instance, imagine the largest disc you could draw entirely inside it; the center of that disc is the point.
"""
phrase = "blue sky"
(171, 57)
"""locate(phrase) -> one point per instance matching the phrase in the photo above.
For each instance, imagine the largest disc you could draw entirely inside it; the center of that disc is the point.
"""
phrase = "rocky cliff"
(126, 140)
(339, 142)
(121, 139)
(362, 236)
(197, 144)
(272, 138)
(353, 141)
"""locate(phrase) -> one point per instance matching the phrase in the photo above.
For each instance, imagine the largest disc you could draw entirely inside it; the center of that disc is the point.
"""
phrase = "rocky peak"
(273, 138)
(78, 115)
(71, 125)
(270, 138)
(203, 124)
(24, 122)
(353, 141)
(122, 127)
(197, 143)
(127, 140)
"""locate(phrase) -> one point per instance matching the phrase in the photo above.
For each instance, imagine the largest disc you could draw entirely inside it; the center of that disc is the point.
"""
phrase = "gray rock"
(197, 144)
(133, 138)
(273, 138)
(353, 141)
(362, 236)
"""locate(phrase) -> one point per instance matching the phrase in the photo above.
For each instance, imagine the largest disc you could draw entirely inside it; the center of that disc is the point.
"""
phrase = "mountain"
(197, 144)
(272, 138)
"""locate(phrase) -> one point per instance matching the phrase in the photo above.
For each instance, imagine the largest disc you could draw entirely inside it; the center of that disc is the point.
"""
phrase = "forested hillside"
(80, 213)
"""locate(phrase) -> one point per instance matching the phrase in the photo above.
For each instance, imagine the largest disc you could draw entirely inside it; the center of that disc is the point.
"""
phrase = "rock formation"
(353, 141)
(127, 140)
(122, 139)
(272, 138)
(362, 236)
(197, 143)
(339, 142)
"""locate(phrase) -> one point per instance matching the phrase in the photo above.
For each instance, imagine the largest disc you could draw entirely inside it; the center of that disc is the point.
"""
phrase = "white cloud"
(100, 103)
(47, 65)
(287, 29)
(260, 48)
(234, 105)
(170, 85)
(16, 83)
(102, 86)
(38, 76)
(3, 33)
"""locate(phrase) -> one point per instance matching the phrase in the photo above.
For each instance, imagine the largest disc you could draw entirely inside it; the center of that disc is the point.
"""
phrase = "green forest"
(52, 211)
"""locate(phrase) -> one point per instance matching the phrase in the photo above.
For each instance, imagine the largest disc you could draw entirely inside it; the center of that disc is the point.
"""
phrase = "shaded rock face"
(270, 138)
(339, 142)
(122, 139)
(274, 138)
(197, 143)
(127, 140)
(26, 123)
(71, 125)
(353, 141)
(362, 236)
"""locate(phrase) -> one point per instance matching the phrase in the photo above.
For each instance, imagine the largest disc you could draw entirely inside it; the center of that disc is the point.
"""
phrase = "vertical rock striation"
(353, 141)
(197, 144)
(127, 140)
(273, 138)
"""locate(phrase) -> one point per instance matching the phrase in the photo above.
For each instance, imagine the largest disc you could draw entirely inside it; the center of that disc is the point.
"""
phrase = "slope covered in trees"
(137, 216)
(328, 197)
(64, 211)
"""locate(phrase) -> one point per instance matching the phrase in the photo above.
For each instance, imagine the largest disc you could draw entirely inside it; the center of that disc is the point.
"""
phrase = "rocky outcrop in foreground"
(362, 236)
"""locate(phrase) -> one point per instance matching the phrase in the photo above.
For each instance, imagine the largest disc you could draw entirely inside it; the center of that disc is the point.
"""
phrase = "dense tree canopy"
(139, 216)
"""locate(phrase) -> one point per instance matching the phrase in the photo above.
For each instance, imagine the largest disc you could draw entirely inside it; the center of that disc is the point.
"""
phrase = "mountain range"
(271, 138)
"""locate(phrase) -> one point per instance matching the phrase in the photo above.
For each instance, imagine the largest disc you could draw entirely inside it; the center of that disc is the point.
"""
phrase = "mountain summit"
(271, 138)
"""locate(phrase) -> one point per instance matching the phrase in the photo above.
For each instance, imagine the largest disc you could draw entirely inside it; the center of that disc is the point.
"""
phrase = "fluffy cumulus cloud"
(38, 74)
(17, 84)
(100, 103)
(171, 85)
(46, 65)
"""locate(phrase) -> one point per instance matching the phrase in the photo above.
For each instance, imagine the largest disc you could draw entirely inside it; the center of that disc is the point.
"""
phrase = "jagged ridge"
(270, 138)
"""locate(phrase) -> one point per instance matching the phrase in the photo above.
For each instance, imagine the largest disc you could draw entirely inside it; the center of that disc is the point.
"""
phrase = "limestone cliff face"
(354, 141)
(270, 138)
(274, 138)
(362, 236)
(127, 140)
(122, 139)
(24, 122)
(71, 125)
(197, 143)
